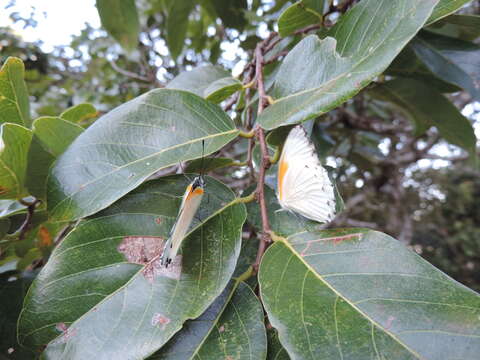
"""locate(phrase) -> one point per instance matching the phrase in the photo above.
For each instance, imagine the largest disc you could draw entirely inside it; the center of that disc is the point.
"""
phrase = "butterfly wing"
(303, 183)
(190, 203)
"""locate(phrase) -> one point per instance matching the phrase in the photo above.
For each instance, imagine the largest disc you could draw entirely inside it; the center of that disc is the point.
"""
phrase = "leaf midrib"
(134, 276)
(82, 188)
(318, 276)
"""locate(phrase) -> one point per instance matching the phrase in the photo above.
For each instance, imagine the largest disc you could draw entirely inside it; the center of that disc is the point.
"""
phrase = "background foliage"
(403, 149)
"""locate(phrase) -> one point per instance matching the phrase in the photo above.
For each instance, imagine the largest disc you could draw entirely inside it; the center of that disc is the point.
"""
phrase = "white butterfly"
(190, 203)
(303, 183)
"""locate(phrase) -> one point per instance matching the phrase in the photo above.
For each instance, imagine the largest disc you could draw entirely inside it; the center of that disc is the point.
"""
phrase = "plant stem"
(27, 223)
(265, 238)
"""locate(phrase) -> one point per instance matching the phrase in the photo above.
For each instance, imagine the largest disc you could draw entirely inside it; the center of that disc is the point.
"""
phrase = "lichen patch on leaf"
(155, 268)
(141, 249)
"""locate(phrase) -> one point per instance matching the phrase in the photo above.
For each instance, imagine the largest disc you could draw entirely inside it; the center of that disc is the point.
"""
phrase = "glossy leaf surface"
(14, 104)
(211, 82)
(364, 42)
(359, 294)
(445, 8)
(452, 60)
(428, 107)
(134, 291)
(232, 327)
(121, 149)
(51, 137)
(14, 144)
(299, 15)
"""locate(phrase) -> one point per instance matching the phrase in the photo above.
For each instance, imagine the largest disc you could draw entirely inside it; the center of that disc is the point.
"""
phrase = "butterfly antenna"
(202, 171)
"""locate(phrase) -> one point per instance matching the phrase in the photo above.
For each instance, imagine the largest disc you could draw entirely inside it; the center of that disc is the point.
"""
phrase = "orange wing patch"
(282, 170)
(198, 191)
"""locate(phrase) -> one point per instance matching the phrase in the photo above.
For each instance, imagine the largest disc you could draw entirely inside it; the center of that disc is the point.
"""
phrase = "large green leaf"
(14, 144)
(51, 137)
(14, 104)
(231, 328)
(120, 19)
(299, 15)
(121, 149)
(211, 82)
(177, 22)
(445, 8)
(407, 64)
(427, 107)
(105, 279)
(365, 41)
(452, 60)
(360, 294)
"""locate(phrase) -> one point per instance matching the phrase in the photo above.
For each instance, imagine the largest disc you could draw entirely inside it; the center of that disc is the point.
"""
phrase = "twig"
(28, 220)
(265, 238)
(128, 73)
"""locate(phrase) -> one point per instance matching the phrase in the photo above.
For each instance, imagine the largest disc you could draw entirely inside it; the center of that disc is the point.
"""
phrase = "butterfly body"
(303, 183)
(190, 203)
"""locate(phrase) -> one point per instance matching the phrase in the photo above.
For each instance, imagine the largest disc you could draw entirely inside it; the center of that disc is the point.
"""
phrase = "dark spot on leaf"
(3, 190)
(158, 220)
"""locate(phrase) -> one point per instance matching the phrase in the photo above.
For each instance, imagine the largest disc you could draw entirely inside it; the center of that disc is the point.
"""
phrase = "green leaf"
(408, 65)
(51, 137)
(55, 134)
(275, 350)
(211, 82)
(427, 107)
(14, 144)
(360, 294)
(365, 41)
(452, 60)
(221, 89)
(231, 328)
(120, 19)
(465, 27)
(158, 129)
(14, 104)
(208, 164)
(12, 290)
(445, 8)
(11, 207)
(300, 15)
(231, 12)
(138, 301)
(4, 227)
(177, 23)
(79, 113)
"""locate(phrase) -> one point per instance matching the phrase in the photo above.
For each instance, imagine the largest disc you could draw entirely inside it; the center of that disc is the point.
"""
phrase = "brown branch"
(128, 73)
(265, 238)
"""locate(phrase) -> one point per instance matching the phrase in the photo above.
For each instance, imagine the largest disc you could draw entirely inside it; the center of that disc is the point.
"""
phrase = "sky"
(57, 20)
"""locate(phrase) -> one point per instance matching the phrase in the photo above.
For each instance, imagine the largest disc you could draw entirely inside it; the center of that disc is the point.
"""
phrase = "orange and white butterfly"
(303, 184)
(190, 203)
